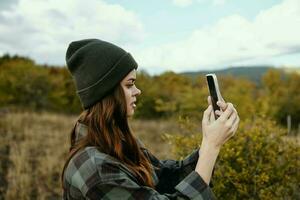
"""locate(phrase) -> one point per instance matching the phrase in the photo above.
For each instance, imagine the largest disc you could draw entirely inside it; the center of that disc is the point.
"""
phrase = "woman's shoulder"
(95, 156)
(90, 158)
(90, 166)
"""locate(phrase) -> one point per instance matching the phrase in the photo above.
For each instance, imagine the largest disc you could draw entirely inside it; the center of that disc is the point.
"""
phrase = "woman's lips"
(133, 105)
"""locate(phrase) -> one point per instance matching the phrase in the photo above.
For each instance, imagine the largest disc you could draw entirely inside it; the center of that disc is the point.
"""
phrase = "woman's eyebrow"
(131, 79)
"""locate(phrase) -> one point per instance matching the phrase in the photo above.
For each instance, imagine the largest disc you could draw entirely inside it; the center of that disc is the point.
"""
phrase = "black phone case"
(213, 93)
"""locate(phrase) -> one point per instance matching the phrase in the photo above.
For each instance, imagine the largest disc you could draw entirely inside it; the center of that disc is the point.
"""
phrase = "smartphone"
(214, 91)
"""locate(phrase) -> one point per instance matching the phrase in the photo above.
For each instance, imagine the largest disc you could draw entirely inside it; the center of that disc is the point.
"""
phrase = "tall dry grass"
(33, 147)
(37, 146)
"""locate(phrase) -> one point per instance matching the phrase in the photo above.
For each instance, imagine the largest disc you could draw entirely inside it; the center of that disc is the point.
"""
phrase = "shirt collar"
(80, 130)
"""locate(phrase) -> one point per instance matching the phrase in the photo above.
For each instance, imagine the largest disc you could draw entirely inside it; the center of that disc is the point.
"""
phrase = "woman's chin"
(130, 114)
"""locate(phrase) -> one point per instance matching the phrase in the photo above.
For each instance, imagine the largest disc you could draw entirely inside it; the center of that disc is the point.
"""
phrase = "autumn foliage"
(38, 105)
(259, 162)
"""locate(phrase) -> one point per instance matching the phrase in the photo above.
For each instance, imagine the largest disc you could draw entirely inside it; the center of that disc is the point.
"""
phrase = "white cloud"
(219, 2)
(186, 3)
(182, 3)
(233, 39)
(43, 29)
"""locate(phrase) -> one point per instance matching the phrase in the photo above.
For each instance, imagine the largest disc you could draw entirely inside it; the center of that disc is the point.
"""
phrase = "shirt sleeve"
(191, 187)
(170, 172)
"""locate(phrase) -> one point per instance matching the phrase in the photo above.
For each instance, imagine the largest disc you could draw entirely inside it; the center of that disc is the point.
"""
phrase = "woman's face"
(131, 92)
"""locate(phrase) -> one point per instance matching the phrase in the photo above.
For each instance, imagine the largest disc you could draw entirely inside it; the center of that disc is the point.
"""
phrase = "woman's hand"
(217, 132)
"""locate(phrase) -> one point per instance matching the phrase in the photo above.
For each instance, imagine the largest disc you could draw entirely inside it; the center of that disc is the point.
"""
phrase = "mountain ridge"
(253, 73)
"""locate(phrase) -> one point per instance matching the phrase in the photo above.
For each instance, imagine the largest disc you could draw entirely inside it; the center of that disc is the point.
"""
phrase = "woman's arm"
(206, 162)
(168, 173)
(215, 134)
(122, 187)
(94, 175)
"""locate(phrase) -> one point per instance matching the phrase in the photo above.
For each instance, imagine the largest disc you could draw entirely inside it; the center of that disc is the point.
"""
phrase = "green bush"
(23, 84)
(259, 162)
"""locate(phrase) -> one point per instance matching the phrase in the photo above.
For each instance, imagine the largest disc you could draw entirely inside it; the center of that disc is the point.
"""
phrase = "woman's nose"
(138, 91)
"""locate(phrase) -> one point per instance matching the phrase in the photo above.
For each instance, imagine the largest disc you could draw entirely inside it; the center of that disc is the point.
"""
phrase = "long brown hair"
(109, 132)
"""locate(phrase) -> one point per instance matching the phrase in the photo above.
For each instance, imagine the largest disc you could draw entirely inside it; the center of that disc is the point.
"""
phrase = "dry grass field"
(33, 148)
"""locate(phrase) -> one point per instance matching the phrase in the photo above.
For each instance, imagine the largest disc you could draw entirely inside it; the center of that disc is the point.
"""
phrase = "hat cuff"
(94, 93)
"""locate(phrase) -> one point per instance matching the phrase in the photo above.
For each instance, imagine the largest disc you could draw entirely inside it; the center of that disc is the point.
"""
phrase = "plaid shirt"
(92, 174)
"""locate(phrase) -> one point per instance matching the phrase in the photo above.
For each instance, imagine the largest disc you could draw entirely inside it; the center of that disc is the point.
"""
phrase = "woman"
(105, 160)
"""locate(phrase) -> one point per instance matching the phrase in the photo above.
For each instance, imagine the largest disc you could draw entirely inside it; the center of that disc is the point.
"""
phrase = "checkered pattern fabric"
(92, 174)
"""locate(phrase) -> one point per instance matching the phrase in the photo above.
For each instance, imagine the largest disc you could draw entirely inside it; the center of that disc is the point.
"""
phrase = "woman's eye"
(130, 85)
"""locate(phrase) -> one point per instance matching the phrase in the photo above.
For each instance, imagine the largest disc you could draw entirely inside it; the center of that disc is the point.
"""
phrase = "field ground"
(33, 147)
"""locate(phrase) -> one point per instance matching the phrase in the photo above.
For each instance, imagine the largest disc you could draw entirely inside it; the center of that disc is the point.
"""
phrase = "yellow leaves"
(162, 106)
(255, 164)
(25, 84)
(265, 177)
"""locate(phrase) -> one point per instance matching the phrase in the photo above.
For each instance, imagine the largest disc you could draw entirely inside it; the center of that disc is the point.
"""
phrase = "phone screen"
(213, 92)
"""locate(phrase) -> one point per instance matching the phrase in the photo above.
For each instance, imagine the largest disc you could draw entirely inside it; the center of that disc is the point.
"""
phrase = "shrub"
(23, 84)
(259, 162)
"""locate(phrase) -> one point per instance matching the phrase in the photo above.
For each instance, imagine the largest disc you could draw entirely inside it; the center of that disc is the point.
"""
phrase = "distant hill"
(253, 73)
(291, 70)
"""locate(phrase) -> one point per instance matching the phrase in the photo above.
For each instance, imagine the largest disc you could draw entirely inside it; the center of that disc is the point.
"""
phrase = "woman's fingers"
(235, 125)
(212, 116)
(206, 115)
(209, 100)
(224, 116)
(222, 105)
(232, 130)
(229, 123)
(218, 113)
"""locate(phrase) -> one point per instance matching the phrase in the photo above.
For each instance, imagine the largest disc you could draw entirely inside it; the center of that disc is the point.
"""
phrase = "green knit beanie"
(97, 67)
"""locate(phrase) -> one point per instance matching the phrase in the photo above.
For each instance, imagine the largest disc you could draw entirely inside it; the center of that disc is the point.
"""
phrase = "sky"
(162, 35)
